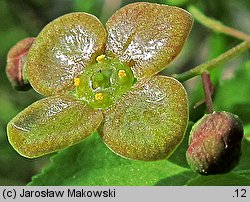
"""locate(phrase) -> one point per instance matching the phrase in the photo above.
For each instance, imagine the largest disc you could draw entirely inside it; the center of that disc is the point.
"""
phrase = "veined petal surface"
(149, 122)
(51, 124)
(62, 50)
(147, 35)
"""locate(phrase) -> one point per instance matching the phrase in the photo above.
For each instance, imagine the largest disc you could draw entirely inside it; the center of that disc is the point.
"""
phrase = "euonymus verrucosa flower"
(105, 79)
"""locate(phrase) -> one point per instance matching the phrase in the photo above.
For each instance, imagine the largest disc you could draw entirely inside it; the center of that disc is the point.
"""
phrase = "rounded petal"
(149, 122)
(51, 124)
(62, 50)
(147, 35)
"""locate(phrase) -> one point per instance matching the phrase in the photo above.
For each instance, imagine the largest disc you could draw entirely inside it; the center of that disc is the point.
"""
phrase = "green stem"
(212, 63)
(216, 25)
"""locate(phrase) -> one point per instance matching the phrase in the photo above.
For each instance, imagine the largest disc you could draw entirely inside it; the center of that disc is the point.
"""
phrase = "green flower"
(105, 79)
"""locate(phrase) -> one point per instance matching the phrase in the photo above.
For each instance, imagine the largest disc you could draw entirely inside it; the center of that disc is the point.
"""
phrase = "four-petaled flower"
(105, 79)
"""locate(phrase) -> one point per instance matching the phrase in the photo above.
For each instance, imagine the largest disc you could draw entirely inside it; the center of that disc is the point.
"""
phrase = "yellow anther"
(99, 96)
(121, 73)
(77, 81)
(100, 58)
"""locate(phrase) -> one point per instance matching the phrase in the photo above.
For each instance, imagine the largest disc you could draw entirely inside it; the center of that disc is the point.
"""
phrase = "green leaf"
(229, 179)
(176, 2)
(244, 164)
(247, 131)
(177, 180)
(92, 163)
(179, 156)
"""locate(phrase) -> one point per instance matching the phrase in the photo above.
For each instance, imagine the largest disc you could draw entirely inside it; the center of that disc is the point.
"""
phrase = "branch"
(212, 63)
(216, 25)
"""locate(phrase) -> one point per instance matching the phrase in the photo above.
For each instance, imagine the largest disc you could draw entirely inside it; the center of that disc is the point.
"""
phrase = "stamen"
(100, 58)
(77, 81)
(121, 73)
(99, 96)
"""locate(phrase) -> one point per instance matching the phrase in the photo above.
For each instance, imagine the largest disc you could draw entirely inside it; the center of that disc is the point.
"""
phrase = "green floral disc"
(103, 83)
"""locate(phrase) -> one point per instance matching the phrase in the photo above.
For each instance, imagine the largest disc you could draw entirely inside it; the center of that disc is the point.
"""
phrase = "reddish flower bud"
(215, 143)
(15, 64)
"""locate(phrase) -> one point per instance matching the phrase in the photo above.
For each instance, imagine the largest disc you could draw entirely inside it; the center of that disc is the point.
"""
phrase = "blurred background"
(23, 18)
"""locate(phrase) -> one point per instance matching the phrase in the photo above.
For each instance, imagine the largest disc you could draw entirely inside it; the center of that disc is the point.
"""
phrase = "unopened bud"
(15, 68)
(215, 143)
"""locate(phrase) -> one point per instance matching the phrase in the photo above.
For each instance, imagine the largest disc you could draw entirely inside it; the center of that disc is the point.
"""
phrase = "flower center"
(104, 82)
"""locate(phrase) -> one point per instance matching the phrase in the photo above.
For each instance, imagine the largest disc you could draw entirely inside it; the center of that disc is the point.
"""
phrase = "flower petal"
(51, 124)
(149, 122)
(147, 35)
(62, 50)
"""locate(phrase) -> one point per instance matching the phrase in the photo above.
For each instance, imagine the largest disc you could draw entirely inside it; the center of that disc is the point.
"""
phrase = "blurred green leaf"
(89, 6)
(10, 37)
(247, 131)
(217, 45)
(14, 170)
(176, 2)
(233, 95)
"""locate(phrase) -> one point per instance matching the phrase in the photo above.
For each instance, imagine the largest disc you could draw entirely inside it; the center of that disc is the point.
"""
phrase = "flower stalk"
(208, 89)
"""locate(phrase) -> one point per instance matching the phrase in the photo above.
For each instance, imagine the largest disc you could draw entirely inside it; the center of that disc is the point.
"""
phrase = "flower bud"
(15, 68)
(215, 143)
